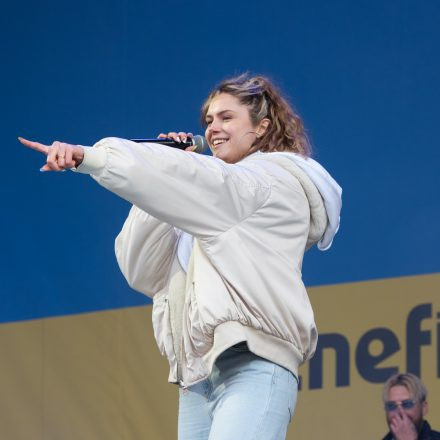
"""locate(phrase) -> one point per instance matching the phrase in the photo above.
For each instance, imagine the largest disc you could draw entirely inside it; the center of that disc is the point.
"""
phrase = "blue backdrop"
(364, 76)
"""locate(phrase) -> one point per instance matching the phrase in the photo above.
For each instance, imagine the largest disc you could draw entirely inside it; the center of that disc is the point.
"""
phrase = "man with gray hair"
(404, 397)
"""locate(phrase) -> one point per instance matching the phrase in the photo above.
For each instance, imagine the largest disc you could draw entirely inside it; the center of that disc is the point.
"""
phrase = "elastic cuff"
(94, 161)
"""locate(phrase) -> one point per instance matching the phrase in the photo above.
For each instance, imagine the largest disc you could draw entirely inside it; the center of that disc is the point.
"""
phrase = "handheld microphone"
(198, 141)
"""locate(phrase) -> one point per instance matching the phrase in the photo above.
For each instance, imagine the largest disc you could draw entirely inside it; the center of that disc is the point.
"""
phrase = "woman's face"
(229, 129)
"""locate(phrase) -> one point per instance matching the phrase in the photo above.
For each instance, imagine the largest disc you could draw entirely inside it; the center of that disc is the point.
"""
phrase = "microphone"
(198, 141)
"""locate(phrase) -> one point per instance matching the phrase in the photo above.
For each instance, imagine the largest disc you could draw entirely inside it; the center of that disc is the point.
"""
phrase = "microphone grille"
(200, 143)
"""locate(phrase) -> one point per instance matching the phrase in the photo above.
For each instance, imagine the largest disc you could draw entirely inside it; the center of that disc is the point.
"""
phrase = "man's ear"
(262, 127)
(424, 408)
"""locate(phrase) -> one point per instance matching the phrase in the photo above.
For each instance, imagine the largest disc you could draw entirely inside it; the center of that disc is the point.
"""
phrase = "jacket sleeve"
(199, 194)
(144, 250)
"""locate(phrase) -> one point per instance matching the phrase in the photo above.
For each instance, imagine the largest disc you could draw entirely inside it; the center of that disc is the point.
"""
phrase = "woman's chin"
(224, 155)
(218, 154)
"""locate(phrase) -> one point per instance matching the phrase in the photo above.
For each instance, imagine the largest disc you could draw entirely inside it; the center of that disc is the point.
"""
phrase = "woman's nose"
(215, 126)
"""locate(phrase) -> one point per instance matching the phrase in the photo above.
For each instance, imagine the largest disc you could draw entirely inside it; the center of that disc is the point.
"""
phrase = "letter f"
(415, 337)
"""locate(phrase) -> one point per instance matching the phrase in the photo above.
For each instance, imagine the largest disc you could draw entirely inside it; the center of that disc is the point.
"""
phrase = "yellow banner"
(367, 331)
(100, 376)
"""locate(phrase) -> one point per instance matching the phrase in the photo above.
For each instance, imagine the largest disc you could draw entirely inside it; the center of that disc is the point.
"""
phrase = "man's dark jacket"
(425, 434)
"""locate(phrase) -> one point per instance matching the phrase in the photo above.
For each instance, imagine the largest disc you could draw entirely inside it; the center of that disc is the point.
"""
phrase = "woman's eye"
(226, 118)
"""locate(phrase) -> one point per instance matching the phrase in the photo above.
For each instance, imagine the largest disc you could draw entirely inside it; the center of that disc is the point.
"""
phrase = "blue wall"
(364, 76)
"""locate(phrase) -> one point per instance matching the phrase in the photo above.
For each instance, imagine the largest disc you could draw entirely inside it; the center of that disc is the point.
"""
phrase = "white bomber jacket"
(239, 279)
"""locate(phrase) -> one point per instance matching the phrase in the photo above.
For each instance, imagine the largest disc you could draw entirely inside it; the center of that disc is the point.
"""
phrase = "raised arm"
(199, 194)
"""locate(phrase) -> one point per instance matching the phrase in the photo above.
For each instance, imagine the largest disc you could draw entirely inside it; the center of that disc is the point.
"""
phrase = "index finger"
(402, 414)
(35, 145)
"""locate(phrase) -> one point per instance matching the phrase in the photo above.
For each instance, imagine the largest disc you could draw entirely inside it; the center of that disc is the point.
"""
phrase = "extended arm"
(199, 194)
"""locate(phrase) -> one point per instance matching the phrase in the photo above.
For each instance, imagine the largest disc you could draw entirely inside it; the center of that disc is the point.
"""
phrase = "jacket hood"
(328, 188)
(323, 192)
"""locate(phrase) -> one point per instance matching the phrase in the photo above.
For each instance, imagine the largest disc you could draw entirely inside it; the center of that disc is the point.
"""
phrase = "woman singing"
(218, 243)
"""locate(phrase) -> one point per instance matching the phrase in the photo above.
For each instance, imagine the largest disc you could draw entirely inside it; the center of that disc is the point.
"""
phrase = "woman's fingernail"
(178, 139)
(184, 139)
(42, 170)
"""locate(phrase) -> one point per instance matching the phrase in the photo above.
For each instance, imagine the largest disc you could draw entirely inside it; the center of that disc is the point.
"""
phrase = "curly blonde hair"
(286, 130)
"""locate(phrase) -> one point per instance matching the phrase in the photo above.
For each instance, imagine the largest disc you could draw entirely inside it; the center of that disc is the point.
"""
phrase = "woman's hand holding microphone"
(178, 137)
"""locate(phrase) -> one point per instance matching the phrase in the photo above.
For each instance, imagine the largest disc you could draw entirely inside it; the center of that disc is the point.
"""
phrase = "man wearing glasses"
(404, 397)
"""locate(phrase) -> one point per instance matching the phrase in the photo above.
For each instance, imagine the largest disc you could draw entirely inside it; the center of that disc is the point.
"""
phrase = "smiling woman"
(275, 124)
(219, 247)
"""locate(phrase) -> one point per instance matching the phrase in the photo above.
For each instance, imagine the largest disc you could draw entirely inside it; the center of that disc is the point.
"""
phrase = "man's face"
(399, 394)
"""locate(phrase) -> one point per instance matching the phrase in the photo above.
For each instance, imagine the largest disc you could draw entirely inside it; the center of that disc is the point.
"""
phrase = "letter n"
(340, 344)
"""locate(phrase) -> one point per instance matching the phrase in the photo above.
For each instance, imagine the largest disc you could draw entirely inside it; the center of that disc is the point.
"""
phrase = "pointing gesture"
(60, 156)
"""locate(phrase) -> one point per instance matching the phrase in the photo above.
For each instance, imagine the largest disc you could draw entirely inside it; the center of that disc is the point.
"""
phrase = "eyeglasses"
(405, 404)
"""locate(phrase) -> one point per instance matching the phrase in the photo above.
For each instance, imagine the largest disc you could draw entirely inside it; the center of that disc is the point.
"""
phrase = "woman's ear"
(262, 127)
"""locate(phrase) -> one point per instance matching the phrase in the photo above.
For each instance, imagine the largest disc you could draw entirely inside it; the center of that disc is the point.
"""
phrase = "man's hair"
(286, 131)
(408, 380)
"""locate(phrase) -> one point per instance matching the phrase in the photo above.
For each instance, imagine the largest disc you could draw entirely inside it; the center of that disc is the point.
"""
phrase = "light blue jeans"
(245, 397)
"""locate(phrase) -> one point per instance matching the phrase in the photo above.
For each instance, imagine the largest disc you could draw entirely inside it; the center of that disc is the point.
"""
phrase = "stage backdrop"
(77, 355)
